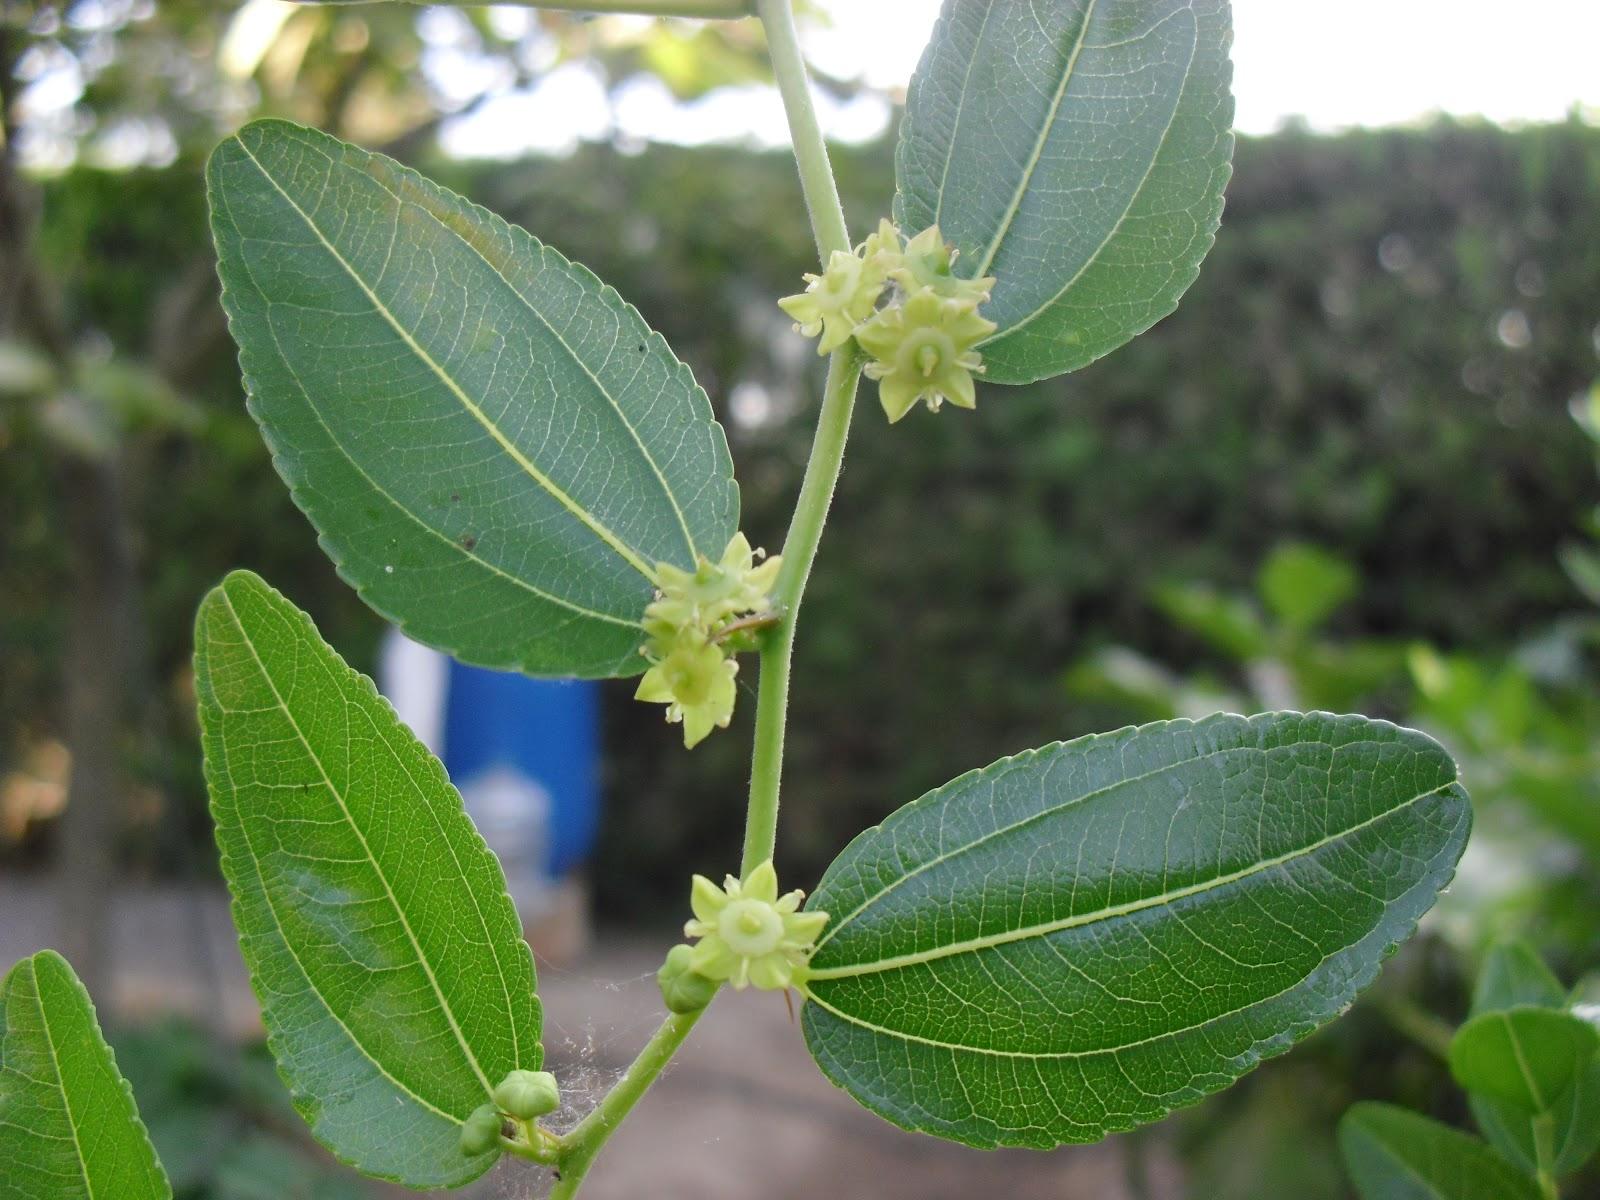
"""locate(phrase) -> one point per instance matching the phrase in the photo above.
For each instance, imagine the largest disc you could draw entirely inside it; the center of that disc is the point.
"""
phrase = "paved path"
(743, 1113)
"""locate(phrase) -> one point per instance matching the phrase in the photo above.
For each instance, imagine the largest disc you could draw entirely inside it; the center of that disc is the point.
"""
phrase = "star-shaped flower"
(923, 350)
(925, 263)
(748, 935)
(693, 677)
(838, 300)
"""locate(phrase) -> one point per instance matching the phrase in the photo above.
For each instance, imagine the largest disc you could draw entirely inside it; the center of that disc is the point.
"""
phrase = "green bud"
(683, 990)
(526, 1095)
(480, 1133)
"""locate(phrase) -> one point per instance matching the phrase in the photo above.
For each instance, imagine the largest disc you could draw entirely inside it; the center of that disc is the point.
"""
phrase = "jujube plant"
(502, 458)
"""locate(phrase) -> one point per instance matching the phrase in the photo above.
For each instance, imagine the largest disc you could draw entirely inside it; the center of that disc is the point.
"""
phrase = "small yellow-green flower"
(714, 592)
(838, 300)
(748, 934)
(694, 679)
(923, 350)
(690, 645)
(925, 263)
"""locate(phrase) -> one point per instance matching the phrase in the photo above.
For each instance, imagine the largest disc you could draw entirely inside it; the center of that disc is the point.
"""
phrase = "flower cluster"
(908, 310)
(693, 625)
(747, 933)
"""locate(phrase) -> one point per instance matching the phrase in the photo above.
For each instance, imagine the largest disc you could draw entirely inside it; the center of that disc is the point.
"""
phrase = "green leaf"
(1077, 151)
(1574, 1126)
(394, 982)
(1228, 623)
(1524, 1056)
(1393, 1154)
(1514, 975)
(1082, 938)
(495, 448)
(1303, 585)
(68, 1126)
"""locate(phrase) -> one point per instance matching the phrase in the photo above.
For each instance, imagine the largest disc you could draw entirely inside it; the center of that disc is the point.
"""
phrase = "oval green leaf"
(69, 1129)
(1528, 1057)
(1393, 1154)
(1076, 151)
(1082, 938)
(1513, 974)
(495, 448)
(394, 982)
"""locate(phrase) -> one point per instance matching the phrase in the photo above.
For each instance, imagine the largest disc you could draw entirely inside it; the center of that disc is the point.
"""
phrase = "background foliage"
(1378, 359)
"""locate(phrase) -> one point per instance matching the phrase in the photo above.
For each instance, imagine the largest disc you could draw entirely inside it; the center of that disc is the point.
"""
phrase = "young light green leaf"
(1303, 585)
(1513, 974)
(1523, 1056)
(495, 448)
(1082, 938)
(1076, 151)
(394, 982)
(1394, 1154)
(1574, 1126)
(69, 1129)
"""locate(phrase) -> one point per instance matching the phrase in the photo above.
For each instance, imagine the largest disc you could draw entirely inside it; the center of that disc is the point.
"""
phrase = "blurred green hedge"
(1377, 358)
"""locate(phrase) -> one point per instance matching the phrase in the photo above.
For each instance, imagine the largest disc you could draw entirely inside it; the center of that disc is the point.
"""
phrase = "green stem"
(799, 551)
(581, 1145)
(1421, 1026)
(810, 151)
(827, 447)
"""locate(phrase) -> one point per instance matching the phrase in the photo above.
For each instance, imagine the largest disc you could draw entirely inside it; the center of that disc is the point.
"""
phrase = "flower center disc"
(751, 928)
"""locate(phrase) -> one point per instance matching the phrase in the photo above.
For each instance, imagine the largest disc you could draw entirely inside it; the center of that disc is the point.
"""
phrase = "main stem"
(827, 447)
(583, 1143)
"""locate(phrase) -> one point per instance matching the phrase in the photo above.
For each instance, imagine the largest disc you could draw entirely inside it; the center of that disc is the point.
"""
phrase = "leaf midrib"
(533, 311)
(404, 510)
(1039, 142)
(1099, 1051)
(1042, 814)
(1044, 929)
(61, 1079)
(366, 849)
(588, 519)
(1534, 1090)
(1122, 217)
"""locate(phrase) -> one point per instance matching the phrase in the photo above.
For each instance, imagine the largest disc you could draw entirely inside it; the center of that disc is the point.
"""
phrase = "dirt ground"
(743, 1112)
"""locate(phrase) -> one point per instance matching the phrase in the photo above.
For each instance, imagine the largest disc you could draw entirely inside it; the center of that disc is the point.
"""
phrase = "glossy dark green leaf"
(1524, 1056)
(495, 448)
(1077, 151)
(389, 961)
(1393, 1154)
(1084, 937)
(69, 1129)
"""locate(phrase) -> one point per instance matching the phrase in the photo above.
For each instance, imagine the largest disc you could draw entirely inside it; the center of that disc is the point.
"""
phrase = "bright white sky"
(1335, 63)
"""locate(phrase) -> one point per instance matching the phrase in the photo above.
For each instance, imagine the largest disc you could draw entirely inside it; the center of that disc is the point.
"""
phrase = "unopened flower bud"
(480, 1133)
(527, 1095)
(683, 989)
